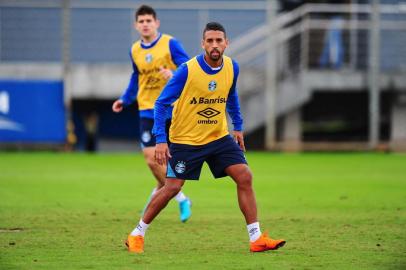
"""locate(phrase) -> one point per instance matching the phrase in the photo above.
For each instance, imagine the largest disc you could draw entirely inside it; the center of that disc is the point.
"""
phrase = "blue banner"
(32, 112)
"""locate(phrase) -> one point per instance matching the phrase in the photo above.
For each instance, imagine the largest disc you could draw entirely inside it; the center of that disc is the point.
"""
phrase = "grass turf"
(73, 211)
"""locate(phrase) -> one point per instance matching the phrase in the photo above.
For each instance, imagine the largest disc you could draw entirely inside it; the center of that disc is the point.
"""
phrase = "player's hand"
(162, 154)
(239, 139)
(166, 73)
(117, 106)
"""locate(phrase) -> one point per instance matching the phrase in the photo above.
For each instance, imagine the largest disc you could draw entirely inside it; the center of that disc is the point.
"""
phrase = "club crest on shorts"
(148, 58)
(212, 85)
(180, 167)
(146, 136)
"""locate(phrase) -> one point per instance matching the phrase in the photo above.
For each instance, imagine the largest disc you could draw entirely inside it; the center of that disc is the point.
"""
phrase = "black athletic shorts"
(187, 160)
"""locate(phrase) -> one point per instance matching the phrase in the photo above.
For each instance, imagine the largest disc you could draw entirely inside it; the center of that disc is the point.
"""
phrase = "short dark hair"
(145, 10)
(214, 26)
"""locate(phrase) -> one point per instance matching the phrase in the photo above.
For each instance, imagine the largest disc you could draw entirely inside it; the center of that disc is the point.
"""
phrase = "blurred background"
(314, 75)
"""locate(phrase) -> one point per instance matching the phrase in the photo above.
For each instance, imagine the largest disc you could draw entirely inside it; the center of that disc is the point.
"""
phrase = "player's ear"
(158, 23)
(227, 42)
(202, 43)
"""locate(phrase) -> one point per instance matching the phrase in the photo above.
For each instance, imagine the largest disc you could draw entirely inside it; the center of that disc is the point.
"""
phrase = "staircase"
(300, 37)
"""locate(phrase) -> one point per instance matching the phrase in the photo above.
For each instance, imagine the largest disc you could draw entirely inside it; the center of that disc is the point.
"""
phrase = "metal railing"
(367, 39)
(300, 36)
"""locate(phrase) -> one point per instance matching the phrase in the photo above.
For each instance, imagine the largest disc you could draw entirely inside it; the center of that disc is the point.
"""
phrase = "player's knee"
(245, 179)
(149, 156)
(160, 183)
(152, 164)
(172, 189)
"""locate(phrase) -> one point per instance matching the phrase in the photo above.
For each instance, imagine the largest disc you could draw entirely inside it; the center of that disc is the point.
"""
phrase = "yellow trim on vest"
(148, 62)
(199, 115)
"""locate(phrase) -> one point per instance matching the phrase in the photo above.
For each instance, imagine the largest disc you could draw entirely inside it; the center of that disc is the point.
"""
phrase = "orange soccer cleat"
(264, 243)
(135, 243)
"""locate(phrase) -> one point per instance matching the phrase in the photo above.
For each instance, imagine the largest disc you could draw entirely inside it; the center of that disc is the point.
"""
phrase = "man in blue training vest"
(204, 88)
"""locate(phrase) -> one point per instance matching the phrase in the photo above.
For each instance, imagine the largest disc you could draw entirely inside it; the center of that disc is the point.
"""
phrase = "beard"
(214, 55)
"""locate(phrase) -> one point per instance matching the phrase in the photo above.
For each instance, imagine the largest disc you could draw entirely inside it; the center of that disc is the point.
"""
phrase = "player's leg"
(186, 163)
(228, 159)
(161, 198)
(148, 149)
(135, 241)
(184, 202)
(242, 176)
(159, 172)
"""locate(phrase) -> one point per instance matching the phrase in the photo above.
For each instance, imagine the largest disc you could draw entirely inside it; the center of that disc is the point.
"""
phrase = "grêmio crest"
(212, 85)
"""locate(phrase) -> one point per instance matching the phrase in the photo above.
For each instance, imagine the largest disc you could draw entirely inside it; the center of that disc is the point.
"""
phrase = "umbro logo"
(253, 231)
(208, 113)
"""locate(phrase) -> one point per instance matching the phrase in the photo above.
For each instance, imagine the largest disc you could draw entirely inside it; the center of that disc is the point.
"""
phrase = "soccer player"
(154, 58)
(204, 88)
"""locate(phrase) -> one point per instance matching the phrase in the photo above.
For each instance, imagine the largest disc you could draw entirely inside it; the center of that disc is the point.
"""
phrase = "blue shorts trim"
(187, 160)
(169, 172)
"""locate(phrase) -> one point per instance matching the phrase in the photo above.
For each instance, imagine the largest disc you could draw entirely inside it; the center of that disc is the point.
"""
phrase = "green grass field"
(73, 211)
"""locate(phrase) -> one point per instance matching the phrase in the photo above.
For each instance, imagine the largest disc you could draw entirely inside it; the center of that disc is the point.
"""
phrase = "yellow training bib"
(199, 115)
(148, 62)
